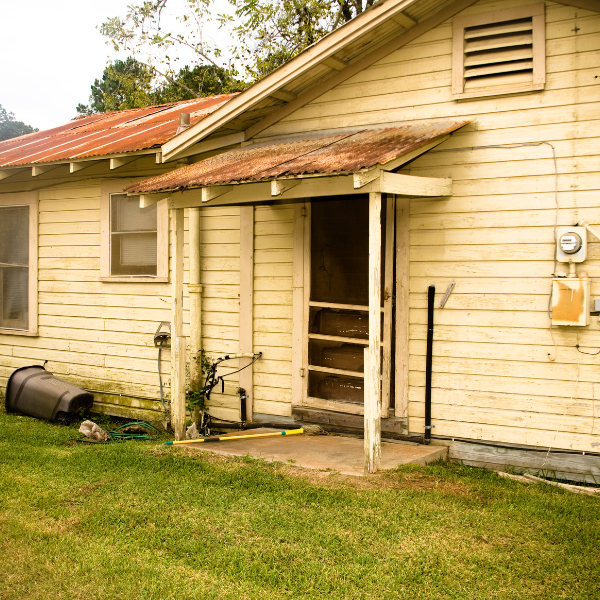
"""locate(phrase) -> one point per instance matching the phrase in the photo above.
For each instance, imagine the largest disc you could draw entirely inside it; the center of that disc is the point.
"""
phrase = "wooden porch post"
(372, 423)
(195, 292)
(247, 303)
(178, 341)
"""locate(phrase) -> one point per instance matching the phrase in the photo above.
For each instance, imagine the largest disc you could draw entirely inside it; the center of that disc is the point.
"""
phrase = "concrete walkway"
(324, 452)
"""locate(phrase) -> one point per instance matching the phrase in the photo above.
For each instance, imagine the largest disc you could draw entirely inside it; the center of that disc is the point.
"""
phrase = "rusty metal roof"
(341, 152)
(106, 133)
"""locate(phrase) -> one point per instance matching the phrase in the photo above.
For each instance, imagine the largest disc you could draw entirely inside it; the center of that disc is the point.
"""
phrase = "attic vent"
(493, 56)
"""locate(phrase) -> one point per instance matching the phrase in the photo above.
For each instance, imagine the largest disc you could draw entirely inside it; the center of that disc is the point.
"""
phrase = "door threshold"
(337, 422)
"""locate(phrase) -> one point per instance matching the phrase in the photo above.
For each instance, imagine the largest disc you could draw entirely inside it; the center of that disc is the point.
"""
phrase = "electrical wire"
(521, 145)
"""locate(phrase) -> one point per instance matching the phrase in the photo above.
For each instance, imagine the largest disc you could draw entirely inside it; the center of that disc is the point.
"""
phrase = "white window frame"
(538, 15)
(162, 234)
(28, 199)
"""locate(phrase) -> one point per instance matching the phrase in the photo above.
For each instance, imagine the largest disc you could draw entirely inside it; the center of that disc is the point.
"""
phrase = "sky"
(50, 53)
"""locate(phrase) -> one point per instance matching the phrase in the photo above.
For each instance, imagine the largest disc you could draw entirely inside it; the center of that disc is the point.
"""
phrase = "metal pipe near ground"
(429, 361)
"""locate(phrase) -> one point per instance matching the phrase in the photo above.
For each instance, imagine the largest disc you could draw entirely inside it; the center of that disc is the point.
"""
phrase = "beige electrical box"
(570, 301)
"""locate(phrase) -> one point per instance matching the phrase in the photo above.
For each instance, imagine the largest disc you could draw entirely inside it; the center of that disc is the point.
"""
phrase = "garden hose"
(116, 435)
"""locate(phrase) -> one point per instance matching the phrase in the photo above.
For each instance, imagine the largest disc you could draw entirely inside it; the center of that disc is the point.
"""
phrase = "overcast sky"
(51, 51)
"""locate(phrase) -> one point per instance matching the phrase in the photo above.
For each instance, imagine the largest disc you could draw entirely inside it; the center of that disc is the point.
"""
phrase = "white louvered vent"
(499, 56)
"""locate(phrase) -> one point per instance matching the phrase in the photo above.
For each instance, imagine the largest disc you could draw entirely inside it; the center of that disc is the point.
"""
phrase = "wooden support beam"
(178, 341)
(195, 292)
(334, 63)
(409, 185)
(402, 305)
(247, 303)
(121, 161)
(336, 185)
(404, 20)
(158, 160)
(279, 186)
(38, 170)
(372, 407)
(284, 95)
(392, 165)
(362, 178)
(147, 200)
(212, 192)
(388, 295)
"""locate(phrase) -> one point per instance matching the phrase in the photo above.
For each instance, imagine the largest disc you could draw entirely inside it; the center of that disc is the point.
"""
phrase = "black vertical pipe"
(428, 360)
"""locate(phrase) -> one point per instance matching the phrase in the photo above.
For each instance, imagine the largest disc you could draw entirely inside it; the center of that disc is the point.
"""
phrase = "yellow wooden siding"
(493, 378)
(220, 279)
(99, 334)
(273, 241)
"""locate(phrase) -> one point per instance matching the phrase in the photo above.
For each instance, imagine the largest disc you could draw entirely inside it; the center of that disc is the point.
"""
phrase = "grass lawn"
(142, 520)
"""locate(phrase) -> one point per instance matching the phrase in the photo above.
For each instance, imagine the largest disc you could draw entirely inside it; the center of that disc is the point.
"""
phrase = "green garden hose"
(116, 435)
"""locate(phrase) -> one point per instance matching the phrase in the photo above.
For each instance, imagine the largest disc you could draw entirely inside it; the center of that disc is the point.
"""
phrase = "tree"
(271, 32)
(124, 84)
(202, 80)
(132, 84)
(9, 128)
(268, 32)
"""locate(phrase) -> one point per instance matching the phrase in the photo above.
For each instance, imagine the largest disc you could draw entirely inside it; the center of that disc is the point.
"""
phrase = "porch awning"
(316, 154)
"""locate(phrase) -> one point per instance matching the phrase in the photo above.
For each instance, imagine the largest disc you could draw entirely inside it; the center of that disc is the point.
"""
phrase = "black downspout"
(428, 361)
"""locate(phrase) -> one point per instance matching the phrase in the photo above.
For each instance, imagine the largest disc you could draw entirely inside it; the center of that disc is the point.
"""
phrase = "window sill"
(134, 279)
(491, 92)
(18, 332)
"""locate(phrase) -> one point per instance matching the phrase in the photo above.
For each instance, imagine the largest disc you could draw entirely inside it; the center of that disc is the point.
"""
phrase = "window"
(134, 238)
(499, 53)
(18, 264)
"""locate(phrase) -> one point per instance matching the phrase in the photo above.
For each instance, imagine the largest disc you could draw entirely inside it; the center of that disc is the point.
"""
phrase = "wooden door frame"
(301, 311)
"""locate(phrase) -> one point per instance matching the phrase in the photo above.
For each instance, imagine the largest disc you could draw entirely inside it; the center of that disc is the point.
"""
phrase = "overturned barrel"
(35, 392)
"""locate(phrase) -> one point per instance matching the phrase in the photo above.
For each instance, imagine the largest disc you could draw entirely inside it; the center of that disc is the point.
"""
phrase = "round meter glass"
(570, 243)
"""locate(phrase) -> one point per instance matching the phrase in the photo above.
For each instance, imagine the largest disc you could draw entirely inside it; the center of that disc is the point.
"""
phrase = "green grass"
(142, 520)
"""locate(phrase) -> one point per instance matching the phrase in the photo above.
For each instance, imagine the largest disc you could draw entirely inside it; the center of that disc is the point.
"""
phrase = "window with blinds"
(14, 267)
(499, 53)
(133, 237)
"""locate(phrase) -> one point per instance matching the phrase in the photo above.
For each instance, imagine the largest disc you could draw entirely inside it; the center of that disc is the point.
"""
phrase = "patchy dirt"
(411, 479)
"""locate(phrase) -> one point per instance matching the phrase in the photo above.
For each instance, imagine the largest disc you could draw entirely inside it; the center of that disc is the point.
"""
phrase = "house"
(425, 143)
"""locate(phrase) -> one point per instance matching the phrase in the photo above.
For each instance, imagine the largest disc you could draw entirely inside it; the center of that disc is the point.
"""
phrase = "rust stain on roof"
(339, 153)
(106, 133)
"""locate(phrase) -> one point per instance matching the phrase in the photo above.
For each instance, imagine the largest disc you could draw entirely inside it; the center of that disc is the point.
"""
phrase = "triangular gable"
(275, 97)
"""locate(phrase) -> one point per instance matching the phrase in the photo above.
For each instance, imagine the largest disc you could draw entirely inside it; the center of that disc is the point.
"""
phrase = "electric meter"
(571, 244)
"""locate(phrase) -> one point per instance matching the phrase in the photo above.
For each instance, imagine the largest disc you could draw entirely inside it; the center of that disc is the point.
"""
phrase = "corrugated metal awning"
(343, 152)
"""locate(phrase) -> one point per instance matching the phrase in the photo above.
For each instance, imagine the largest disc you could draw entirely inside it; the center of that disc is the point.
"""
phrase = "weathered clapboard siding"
(493, 378)
(273, 241)
(220, 279)
(100, 334)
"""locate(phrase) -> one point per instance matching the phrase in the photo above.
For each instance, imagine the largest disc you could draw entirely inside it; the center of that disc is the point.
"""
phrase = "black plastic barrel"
(36, 392)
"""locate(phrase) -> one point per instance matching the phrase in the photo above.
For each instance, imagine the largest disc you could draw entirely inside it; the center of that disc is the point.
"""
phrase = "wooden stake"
(178, 341)
(373, 352)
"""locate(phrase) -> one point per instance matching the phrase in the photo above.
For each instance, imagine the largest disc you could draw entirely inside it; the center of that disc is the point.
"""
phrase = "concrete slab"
(324, 452)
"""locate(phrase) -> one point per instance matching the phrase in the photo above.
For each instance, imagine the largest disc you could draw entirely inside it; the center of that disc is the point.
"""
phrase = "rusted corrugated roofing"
(106, 133)
(339, 153)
